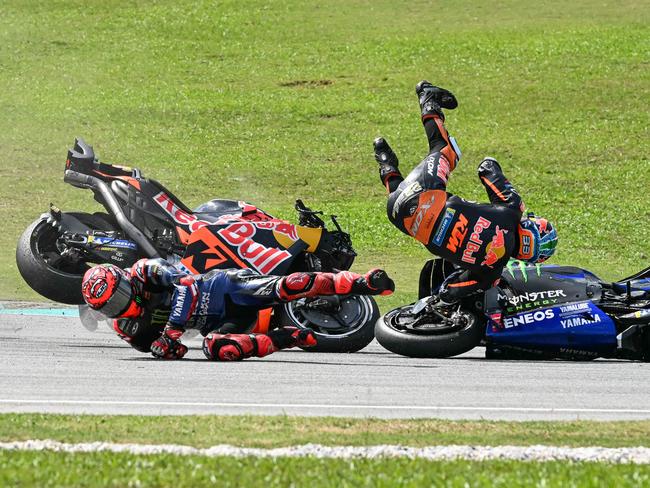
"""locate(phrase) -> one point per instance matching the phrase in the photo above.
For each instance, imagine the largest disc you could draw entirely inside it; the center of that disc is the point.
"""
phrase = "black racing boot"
(386, 158)
(433, 98)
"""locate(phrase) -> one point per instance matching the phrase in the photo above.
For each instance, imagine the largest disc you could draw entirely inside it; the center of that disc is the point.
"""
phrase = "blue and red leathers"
(224, 298)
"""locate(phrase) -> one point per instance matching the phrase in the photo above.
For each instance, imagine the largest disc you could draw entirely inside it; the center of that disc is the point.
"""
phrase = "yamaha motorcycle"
(144, 219)
(536, 312)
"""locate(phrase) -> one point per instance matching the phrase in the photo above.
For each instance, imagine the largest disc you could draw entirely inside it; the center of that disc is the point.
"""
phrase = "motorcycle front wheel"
(42, 266)
(341, 324)
(426, 336)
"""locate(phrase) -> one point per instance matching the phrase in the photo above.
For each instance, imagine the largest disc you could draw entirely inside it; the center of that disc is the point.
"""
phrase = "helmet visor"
(120, 301)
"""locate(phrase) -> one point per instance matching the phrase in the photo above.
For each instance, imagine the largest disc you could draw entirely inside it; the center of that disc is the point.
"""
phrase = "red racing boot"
(235, 347)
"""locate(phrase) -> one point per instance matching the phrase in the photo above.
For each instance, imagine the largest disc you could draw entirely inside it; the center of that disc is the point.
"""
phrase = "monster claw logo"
(496, 248)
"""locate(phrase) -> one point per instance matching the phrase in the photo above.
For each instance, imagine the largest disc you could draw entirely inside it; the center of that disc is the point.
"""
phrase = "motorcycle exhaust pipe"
(86, 181)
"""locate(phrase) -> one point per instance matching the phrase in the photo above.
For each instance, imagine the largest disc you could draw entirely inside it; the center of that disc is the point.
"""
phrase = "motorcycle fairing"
(218, 208)
(638, 284)
(563, 329)
(531, 287)
(241, 244)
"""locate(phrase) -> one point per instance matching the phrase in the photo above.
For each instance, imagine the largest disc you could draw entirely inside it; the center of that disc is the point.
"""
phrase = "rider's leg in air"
(415, 202)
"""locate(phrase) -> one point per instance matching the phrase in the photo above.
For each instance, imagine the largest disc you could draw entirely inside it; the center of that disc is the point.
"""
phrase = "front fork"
(78, 242)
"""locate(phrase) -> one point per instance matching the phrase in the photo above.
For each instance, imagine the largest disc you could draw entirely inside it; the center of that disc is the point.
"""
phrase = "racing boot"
(236, 347)
(314, 285)
(388, 163)
(374, 282)
(287, 337)
(433, 99)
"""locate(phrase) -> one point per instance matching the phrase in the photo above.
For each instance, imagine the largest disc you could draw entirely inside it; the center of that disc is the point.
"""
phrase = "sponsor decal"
(532, 296)
(528, 318)
(180, 217)
(204, 304)
(575, 307)
(496, 248)
(442, 170)
(458, 234)
(475, 241)
(497, 321)
(114, 243)
(578, 352)
(444, 226)
(280, 227)
(578, 321)
(516, 264)
(159, 316)
(180, 301)
(530, 300)
(420, 216)
(99, 290)
(261, 258)
(408, 192)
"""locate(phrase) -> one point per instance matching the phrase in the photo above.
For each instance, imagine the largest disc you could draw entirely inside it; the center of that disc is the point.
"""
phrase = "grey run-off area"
(53, 364)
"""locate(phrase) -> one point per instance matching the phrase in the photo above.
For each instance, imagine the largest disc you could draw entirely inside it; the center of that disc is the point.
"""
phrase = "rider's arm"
(500, 191)
(157, 272)
(183, 304)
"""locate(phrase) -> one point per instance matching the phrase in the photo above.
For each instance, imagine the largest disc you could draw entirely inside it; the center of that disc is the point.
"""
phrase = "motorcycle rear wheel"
(349, 329)
(40, 263)
(435, 341)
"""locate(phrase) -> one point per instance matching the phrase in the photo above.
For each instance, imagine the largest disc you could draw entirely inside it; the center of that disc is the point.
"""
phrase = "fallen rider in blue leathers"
(208, 302)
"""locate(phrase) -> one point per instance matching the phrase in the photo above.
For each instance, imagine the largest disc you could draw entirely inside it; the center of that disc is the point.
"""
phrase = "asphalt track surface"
(53, 364)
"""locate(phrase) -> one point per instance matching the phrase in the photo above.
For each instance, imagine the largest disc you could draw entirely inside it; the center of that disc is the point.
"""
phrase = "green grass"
(56, 469)
(277, 431)
(275, 100)
(115, 469)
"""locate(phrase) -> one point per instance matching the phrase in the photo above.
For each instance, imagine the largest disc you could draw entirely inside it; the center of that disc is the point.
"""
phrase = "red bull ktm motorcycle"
(144, 219)
(536, 312)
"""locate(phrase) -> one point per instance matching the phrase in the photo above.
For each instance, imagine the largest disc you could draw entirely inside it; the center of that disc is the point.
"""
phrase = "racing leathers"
(221, 299)
(477, 238)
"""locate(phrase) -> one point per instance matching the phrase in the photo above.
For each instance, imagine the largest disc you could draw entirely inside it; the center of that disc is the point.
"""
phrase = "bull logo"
(496, 249)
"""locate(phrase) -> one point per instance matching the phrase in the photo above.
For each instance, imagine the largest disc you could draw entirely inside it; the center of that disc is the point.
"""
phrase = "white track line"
(307, 406)
(635, 455)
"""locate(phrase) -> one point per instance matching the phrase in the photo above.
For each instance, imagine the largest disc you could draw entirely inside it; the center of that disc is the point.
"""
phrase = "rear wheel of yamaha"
(42, 266)
(418, 336)
(341, 324)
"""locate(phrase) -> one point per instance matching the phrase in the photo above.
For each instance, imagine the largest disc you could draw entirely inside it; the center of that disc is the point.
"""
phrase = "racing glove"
(168, 346)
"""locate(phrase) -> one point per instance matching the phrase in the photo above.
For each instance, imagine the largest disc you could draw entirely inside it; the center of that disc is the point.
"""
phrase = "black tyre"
(348, 329)
(428, 339)
(42, 266)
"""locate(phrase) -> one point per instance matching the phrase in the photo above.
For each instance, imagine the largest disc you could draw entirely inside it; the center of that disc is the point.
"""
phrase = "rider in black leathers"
(478, 238)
